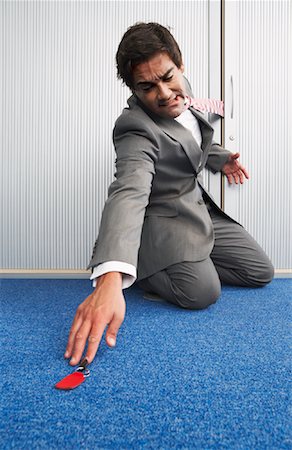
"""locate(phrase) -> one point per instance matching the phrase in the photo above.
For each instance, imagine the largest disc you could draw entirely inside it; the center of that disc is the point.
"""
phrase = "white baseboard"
(283, 273)
(42, 273)
(83, 274)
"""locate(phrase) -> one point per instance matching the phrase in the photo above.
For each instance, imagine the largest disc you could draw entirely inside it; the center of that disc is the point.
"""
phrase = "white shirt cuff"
(129, 272)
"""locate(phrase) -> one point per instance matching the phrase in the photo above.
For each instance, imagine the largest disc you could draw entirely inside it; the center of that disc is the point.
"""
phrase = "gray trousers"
(236, 259)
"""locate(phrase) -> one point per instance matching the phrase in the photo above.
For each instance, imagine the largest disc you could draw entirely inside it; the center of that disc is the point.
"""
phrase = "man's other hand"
(234, 171)
(106, 306)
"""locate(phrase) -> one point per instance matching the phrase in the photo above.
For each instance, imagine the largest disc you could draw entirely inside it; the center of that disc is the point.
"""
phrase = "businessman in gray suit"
(159, 225)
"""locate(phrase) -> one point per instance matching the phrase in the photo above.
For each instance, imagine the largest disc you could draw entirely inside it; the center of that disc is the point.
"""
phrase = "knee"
(198, 297)
(263, 275)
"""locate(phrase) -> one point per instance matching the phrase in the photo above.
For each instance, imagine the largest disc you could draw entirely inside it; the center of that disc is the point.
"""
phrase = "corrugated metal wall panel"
(60, 100)
(259, 54)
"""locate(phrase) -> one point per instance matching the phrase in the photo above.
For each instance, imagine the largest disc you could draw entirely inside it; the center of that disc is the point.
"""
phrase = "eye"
(169, 78)
(146, 87)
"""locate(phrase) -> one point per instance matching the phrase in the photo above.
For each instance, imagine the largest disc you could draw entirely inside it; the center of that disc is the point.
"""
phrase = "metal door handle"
(232, 97)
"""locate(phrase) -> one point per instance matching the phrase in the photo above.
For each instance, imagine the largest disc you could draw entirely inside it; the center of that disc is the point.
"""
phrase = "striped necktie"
(205, 105)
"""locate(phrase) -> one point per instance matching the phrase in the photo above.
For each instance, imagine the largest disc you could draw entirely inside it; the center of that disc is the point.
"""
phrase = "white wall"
(60, 98)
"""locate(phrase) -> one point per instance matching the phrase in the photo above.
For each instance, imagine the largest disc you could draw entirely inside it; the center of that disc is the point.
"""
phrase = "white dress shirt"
(129, 272)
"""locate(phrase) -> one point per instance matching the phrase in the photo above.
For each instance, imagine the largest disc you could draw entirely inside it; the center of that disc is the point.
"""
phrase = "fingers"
(229, 178)
(245, 172)
(96, 335)
(241, 177)
(94, 339)
(106, 305)
(237, 176)
(85, 331)
(233, 178)
(112, 331)
(80, 339)
(242, 174)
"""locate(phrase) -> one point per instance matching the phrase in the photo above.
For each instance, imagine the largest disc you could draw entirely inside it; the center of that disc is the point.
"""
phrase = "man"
(158, 218)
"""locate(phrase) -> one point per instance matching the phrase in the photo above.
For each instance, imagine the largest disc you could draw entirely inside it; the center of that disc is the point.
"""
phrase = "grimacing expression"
(159, 85)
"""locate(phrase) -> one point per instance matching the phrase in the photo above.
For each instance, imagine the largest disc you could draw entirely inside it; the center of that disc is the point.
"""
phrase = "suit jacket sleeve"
(217, 157)
(123, 215)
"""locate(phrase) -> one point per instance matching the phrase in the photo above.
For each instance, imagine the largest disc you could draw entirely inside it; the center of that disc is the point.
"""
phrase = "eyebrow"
(141, 83)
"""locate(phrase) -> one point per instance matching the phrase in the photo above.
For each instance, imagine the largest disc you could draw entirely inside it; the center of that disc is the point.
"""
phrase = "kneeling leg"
(238, 258)
(191, 285)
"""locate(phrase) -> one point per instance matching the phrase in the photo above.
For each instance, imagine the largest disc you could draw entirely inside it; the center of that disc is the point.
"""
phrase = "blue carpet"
(217, 378)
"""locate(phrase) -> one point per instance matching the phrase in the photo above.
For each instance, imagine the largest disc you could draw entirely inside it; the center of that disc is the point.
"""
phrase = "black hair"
(140, 43)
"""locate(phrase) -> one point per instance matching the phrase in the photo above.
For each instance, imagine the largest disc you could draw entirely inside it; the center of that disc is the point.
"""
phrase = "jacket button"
(201, 202)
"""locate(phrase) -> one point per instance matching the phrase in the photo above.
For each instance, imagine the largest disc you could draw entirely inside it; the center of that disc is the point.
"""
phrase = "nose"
(164, 93)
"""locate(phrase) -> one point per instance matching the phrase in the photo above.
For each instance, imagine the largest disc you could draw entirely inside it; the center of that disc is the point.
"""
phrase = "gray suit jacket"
(155, 215)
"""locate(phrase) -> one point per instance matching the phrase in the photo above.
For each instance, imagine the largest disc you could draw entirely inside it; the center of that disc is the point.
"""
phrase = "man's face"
(159, 84)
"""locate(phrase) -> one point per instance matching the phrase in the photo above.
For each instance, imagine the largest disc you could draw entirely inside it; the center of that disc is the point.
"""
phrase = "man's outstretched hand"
(105, 307)
(234, 171)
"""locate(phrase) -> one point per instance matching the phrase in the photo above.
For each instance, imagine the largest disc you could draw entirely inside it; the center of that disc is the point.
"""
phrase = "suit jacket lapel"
(207, 134)
(177, 132)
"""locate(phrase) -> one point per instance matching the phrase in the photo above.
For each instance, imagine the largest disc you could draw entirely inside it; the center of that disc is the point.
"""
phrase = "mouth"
(171, 103)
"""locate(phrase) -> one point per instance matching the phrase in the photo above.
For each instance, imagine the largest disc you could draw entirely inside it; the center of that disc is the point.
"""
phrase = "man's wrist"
(110, 277)
(128, 271)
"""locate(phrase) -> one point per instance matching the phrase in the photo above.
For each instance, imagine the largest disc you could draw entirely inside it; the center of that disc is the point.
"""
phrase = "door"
(258, 119)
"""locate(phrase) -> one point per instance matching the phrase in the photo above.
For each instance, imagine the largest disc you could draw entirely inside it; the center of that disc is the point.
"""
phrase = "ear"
(182, 68)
